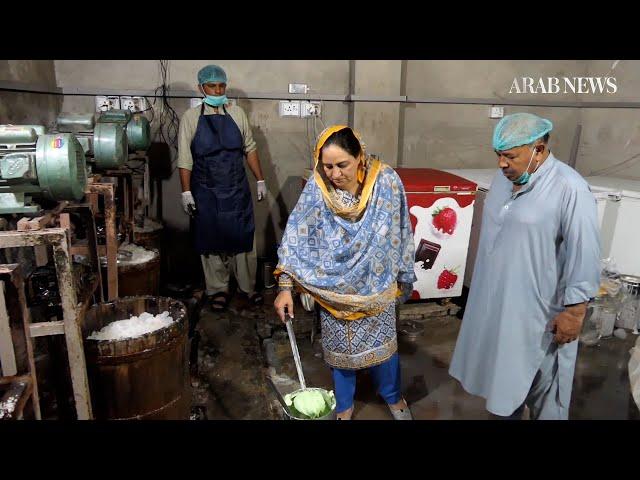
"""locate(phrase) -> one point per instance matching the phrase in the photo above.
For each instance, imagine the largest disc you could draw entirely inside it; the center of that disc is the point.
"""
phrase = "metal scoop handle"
(296, 354)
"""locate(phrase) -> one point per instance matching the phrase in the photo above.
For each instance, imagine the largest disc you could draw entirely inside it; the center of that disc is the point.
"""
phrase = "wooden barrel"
(150, 236)
(145, 377)
(150, 240)
(135, 279)
(139, 278)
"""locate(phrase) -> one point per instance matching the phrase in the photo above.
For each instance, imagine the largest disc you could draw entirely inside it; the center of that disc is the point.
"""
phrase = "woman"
(348, 243)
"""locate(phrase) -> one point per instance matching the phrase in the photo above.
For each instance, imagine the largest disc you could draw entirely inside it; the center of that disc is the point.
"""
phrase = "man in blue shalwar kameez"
(537, 267)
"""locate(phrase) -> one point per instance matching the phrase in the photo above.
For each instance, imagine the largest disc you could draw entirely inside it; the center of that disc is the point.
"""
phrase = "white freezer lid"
(481, 176)
(624, 186)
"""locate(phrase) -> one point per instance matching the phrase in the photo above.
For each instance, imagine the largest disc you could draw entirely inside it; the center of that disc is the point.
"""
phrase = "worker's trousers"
(217, 269)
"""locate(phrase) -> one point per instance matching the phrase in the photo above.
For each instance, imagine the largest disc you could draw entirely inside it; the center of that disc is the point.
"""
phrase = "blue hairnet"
(519, 129)
(213, 74)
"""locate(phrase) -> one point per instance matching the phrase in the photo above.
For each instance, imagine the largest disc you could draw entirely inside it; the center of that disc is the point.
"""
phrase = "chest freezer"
(441, 208)
(483, 178)
(619, 216)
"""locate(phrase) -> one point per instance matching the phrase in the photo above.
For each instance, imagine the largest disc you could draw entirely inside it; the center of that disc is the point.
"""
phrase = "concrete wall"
(25, 107)
(377, 122)
(611, 136)
(459, 136)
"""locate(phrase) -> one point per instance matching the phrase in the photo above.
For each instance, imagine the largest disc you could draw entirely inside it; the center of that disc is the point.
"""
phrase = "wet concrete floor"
(232, 369)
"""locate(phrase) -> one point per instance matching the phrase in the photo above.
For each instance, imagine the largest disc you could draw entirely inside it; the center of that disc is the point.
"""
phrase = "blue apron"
(223, 221)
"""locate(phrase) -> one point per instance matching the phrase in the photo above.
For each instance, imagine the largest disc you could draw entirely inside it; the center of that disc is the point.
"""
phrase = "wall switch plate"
(298, 88)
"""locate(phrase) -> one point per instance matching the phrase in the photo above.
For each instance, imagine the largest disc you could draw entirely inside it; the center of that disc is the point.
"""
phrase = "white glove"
(188, 203)
(262, 190)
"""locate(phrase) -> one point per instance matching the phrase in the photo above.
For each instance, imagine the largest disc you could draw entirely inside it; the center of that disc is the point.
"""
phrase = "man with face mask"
(537, 267)
(214, 139)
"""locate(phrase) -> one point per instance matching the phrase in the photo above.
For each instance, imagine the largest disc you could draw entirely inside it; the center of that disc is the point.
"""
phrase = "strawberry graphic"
(447, 278)
(445, 219)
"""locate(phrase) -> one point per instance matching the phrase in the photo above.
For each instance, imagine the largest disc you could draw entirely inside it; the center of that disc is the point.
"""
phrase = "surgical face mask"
(215, 100)
(526, 176)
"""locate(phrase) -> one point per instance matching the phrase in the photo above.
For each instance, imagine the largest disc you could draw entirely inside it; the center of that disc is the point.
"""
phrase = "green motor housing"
(115, 116)
(75, 122)
(61, 167)
(110, 149)
(19, 136)
(138, 133)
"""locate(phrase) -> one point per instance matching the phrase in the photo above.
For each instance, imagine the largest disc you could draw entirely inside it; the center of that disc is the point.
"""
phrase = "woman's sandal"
(350, 410)
(402, 413)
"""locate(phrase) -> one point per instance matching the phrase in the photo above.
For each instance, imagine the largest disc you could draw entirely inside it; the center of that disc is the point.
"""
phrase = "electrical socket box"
(141, 103)
(133, 104)
(289, 108)
(496, 112)
(298, 88)
(309, 109)
(106, 103)
(127, 103)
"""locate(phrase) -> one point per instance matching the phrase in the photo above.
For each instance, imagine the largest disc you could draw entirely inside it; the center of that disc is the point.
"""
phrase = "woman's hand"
(284, 300)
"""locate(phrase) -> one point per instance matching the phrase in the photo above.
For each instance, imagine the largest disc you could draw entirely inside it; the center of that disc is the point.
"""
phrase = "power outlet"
(133, 104)
(127, 103)
(106, 103)
(141, 103)
(309, 109)
(289, 108)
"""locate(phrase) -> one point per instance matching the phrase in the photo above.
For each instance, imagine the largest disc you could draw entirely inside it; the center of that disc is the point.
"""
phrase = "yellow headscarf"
(368, 170)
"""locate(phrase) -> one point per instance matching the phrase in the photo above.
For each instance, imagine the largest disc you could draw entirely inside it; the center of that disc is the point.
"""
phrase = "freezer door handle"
(616, 197)
(613, 196)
